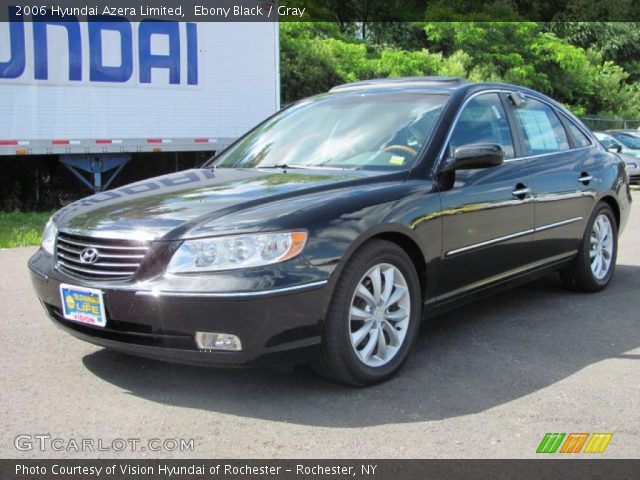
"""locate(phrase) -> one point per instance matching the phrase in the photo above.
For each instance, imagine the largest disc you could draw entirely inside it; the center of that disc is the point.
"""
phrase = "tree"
(318, 56)
(618, 42)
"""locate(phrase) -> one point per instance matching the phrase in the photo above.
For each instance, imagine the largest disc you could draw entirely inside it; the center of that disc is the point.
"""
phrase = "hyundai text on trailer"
(96, 90)
(326, 232)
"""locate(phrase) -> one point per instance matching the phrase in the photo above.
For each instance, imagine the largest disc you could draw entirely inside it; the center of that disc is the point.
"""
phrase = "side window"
(541, 127)
(579, 138)
(483, 120)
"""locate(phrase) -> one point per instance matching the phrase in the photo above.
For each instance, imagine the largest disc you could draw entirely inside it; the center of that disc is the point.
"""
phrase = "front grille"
(115, 260)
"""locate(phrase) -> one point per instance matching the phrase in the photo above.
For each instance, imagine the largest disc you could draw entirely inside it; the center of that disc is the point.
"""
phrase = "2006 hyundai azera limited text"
(327, 232)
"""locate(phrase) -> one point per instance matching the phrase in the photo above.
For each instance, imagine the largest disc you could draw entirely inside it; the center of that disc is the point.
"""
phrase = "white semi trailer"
(94, 93)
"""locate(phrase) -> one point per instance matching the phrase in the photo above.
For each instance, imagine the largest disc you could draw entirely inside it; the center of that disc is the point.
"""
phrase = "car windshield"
(628, 140)
(607, 140)
(346, 131)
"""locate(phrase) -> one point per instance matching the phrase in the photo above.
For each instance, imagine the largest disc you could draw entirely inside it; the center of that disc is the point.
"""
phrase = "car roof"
(430, 83)
(434, 85)
(452, 83)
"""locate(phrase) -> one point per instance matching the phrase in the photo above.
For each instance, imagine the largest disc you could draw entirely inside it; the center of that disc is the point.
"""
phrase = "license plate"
(84, 305)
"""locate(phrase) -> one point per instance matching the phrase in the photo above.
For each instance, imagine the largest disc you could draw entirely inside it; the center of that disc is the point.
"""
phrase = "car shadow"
(466, 361)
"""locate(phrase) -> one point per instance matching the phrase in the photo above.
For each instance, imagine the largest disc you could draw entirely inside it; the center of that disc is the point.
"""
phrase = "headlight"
(49, 237)
(241, 251)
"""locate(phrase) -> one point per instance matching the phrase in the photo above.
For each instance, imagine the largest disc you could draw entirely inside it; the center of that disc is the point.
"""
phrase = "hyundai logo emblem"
(89, 255)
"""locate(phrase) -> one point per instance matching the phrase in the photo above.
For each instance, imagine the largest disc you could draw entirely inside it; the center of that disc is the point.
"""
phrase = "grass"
(19, 229)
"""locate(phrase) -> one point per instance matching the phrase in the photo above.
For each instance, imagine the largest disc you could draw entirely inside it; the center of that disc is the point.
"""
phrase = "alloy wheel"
(601, 246)
(379, 315)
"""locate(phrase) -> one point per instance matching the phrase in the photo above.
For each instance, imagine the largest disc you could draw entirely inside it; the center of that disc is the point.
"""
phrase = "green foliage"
(528, 54)
(471, 11)
(588, 80)
(19, 229)
(303, 70)
(598, 11)
(618, 42)
(314, 60)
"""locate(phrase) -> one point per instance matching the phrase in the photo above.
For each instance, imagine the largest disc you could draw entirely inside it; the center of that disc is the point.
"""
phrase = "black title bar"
(340, 11)
(318, 469)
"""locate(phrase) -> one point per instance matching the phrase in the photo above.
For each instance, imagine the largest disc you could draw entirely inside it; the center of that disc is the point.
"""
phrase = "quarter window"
(541, 128)
(483, 120)
(579, 138)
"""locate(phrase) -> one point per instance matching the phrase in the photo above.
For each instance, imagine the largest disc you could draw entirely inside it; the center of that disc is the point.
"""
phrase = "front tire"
(594, 266)
(373, 317)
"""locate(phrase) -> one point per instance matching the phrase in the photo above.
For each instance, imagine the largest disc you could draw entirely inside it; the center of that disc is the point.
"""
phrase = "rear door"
(487, 215)
(563, 176)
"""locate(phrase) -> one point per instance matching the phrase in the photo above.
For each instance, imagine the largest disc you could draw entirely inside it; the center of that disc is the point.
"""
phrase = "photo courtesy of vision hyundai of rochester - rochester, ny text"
(329, 231)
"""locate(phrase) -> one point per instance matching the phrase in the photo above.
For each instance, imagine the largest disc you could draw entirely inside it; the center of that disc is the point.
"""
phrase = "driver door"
(487, 215)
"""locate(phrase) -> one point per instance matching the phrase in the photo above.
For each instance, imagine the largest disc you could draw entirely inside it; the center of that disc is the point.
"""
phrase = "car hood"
(181, 202)
(628, 158)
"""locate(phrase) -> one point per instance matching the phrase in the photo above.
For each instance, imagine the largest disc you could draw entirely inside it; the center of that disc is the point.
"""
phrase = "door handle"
(521, 191)
(585, 178)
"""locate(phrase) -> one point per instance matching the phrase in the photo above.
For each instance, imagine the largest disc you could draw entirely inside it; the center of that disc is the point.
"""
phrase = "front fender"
(339, 224)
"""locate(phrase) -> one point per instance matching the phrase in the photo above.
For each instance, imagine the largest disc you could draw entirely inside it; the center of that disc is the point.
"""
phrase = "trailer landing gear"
(96, 165)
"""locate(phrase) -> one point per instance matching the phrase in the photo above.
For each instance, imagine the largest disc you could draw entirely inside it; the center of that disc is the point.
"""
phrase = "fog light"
(218, 341)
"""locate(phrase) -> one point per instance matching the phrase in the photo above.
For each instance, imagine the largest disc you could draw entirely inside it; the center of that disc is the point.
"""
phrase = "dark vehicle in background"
(330, 230)
(632, 162)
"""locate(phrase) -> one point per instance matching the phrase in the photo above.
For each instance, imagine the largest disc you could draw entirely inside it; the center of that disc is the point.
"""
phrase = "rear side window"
(541, 128)
(579, 138)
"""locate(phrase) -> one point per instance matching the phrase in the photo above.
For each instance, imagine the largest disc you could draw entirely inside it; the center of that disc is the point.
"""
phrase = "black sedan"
(329, 231)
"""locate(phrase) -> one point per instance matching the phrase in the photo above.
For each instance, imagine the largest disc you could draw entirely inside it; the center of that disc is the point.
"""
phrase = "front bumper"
(158, 318)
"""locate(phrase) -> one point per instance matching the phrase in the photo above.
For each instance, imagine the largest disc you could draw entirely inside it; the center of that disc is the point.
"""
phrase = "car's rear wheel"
(373, 318)
(594, 266)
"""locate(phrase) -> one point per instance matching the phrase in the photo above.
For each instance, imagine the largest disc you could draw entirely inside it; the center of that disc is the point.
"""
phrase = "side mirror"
(616, 148)
(474, 155)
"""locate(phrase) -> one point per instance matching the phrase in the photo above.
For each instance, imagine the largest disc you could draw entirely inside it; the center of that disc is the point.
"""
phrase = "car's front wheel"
(596, 260)
(373, 318)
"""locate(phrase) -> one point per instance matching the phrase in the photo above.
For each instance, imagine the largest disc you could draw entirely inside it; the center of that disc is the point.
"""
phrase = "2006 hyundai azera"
(327, 232)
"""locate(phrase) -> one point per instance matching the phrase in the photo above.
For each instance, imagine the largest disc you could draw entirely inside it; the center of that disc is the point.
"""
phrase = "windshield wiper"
(314, 166)
(284, 166)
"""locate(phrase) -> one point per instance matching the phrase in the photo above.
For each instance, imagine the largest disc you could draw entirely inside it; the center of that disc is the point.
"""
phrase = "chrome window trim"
(512, 236)
(443, 149)
(259, 293)
(527, 157)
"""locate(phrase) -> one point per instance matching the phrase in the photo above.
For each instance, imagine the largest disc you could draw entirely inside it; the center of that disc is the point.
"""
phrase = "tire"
(351, 350)
(582, 276)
